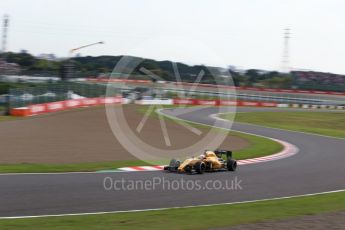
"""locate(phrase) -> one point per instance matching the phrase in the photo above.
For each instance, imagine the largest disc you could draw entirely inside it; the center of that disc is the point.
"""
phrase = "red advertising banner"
(63, 105)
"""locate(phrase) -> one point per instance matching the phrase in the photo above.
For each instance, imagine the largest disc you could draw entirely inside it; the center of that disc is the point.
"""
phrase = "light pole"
(68, 68)
(82, 47)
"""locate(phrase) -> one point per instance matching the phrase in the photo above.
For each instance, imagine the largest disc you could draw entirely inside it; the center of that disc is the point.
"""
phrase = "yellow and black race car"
(209, 161)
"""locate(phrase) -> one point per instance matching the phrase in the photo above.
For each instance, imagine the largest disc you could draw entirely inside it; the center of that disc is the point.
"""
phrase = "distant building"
(7, 68)
(50, 57)
(22, 51)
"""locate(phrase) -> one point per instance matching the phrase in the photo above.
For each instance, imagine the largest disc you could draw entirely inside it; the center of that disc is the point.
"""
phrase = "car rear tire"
(231, 165)
(174, 164)
(200, 167)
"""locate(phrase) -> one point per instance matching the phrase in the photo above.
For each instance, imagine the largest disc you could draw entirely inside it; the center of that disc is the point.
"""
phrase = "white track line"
(182, 207)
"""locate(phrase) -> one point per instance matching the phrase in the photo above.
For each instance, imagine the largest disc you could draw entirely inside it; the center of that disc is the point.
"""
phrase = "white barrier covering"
(155, 102)
(283, 105)
(305, 106)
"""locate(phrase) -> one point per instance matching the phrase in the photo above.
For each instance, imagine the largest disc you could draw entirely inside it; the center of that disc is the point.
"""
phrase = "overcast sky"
(243, 33)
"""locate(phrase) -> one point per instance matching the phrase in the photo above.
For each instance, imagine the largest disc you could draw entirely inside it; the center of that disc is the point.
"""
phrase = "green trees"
(269, 79)
(103, 65)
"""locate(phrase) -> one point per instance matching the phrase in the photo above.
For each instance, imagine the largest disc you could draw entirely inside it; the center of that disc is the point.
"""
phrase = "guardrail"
(293, 91)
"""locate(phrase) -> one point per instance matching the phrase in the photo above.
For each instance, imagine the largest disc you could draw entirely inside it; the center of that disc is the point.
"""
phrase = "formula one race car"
(210, 161)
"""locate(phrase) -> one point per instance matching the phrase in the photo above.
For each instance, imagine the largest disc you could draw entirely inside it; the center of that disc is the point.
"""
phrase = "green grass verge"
(258, 146)
(7, 118)
(191, 218)
(329, 124)
(79, 167)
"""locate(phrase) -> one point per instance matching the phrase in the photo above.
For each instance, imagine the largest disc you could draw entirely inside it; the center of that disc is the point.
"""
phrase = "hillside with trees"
(102, 66)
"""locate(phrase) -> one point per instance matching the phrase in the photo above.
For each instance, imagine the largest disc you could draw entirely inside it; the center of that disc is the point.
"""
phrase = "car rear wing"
(220, 153)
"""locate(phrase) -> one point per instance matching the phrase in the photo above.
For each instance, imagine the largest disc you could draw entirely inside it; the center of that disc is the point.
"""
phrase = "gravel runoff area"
(84, 135)
(332, 220)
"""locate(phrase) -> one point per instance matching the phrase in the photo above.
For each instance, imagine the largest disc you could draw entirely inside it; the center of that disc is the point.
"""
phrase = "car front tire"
(200, 167)
(231, 165)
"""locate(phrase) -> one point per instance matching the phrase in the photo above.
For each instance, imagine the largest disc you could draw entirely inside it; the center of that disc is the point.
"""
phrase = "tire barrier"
(63, 105)
(311, 106)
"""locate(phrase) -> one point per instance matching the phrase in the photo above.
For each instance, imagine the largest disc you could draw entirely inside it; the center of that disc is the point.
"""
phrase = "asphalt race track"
(318, 167)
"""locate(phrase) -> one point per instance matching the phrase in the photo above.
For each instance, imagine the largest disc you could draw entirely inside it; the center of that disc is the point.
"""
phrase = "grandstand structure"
(319, 80)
